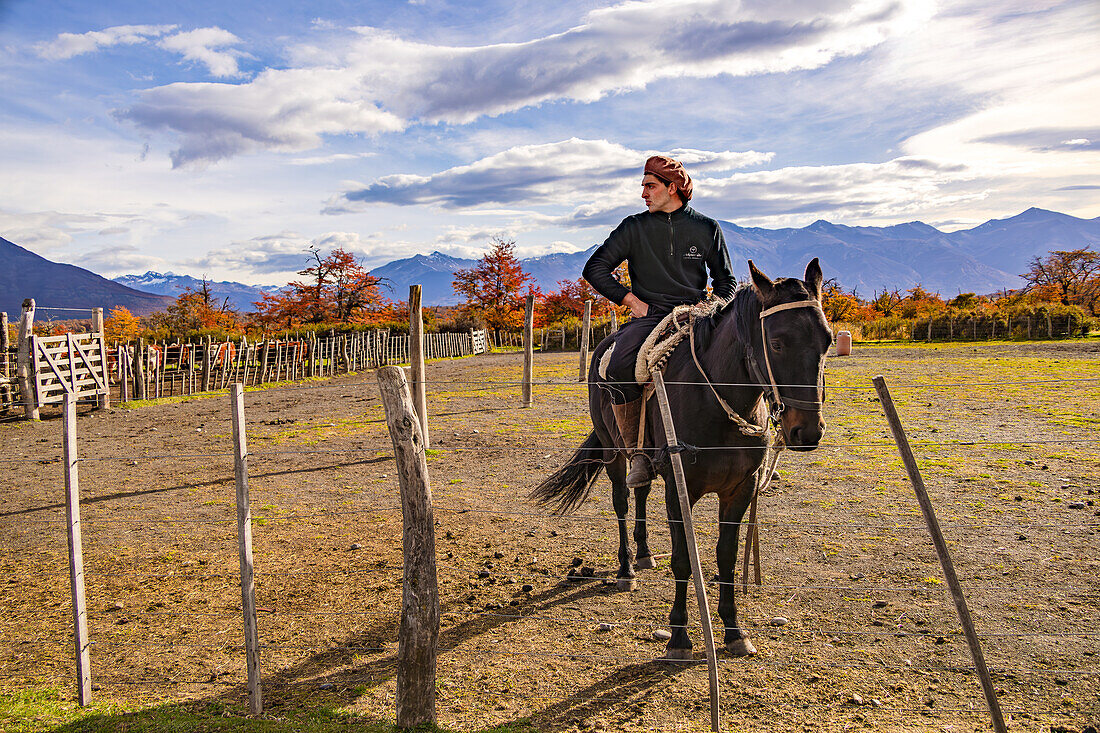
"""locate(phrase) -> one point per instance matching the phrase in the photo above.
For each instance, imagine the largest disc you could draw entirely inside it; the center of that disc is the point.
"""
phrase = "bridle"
(778, 404)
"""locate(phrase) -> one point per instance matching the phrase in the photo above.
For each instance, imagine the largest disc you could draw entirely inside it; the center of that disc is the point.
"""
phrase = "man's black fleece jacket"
(667, 256)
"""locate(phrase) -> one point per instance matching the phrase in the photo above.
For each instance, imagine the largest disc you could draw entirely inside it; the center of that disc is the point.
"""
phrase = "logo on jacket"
(693, 253)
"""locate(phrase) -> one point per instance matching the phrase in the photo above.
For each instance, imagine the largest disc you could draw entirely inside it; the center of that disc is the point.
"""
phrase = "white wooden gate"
(75, 363)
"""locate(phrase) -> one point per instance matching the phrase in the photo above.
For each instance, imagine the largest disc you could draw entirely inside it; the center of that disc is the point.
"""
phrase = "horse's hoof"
(741, 648)
(677, 654)
(625, 584)
(645, 563)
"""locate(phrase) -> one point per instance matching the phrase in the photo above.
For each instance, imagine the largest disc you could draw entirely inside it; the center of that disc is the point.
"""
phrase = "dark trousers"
(619, 381)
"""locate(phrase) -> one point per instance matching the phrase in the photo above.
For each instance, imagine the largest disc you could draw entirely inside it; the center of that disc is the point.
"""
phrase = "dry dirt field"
(1006, 435)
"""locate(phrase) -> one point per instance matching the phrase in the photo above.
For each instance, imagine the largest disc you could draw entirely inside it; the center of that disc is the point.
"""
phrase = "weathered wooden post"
(419, 630)
(692, 547)
(24, 362)
(416, 359)
(244, 545)
(207, 363)
(614, 319)
(941, 550)
(528, 347)
(139, 370)
(76, 551)
(586, 325)
(5, 348)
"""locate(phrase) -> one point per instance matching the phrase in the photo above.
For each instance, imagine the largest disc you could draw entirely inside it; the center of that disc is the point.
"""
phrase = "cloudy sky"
(224, 139)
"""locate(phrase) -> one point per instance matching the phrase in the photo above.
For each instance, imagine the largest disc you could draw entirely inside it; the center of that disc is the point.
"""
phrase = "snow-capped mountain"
(241, 297)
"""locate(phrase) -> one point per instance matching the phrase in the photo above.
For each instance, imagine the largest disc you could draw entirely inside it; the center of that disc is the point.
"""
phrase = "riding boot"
(628, 417)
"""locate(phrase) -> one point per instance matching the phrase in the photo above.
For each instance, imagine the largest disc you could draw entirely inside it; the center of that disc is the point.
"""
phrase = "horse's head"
(793, 340)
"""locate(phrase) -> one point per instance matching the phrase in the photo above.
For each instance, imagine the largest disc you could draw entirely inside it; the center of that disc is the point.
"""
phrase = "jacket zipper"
(671, 232)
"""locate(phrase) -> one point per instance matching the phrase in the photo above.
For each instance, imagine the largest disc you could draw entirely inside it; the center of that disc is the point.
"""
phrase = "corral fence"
(416, 682)
(38, 370)
(990, 327)
(151, 370)
(1037, 325)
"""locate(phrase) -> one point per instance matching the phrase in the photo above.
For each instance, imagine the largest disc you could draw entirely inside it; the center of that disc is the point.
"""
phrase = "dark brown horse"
(767, 343)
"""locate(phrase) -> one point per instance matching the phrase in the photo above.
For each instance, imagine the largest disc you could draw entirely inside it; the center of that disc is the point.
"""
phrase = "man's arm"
(721, 272)
(600, 266)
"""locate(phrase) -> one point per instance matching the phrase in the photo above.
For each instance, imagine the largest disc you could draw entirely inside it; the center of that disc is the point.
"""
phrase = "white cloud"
(118, 260)
(326, 159)
(1033, 73)
(560, 173)
(281, 256)
(594, 183)
(279, 110)
(203, 45)
(68, 45)
(378, 82)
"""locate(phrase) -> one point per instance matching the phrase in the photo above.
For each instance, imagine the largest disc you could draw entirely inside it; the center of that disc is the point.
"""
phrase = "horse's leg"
(679, 646)
(731, 509)
(620, 498)
(644, 557)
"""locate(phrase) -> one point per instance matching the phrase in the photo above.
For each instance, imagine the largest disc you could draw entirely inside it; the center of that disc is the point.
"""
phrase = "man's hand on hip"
(637, 307)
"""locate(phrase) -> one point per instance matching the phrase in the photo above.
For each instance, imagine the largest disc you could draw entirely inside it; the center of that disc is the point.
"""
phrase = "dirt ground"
(1006, 437)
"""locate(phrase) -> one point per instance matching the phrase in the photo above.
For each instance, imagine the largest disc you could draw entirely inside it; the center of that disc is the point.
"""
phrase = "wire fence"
(865, 618)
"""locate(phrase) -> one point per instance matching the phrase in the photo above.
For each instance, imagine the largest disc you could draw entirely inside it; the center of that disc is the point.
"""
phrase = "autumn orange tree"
(495, 288)
(196, 310)
(1069, 277)
(840, 305)
(121, 325)
(567, 302)
(336, 289)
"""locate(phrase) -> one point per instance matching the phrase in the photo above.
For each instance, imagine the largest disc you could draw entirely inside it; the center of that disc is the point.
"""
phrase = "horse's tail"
(570, 485)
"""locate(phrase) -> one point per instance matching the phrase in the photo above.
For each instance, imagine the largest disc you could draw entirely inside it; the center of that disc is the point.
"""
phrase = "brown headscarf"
(671, 171)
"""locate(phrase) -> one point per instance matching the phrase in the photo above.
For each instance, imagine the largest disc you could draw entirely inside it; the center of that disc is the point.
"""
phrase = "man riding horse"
(668, 250)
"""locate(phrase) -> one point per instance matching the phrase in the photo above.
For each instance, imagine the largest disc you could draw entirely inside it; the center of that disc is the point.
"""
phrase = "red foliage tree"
(567, 302)
(496, 287)
(337, 289)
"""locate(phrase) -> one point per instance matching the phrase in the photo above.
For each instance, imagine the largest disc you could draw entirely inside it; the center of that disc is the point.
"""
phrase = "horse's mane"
(739, 311)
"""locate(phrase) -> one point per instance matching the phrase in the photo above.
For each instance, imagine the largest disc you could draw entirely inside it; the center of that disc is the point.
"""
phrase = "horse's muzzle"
(802, 428)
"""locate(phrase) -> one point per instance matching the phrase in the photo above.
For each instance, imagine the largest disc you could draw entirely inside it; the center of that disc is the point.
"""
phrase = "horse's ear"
(813, 278)
(761, 282)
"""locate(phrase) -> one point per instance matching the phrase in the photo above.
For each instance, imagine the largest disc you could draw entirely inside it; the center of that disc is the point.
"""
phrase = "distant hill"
(985, 259)
(241, 297)
(24, 274)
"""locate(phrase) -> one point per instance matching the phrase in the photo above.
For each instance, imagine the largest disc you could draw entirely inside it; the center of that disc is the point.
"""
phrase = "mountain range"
(985, 259)
(68, 290)
(240, 296)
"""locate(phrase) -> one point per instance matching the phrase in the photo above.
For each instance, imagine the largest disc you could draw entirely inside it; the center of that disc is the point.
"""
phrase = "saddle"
(668, 334)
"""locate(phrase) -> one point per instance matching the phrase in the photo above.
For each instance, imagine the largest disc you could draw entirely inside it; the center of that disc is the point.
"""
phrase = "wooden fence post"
(139, 360)
(418, 636)
(692, 547)
(614, 319)
(941, 550)
(528, 348)
(102, 401)
(416, 359)
(244, 545)
(5, 348)
(24, 361)
(76, 551)
(206, 363)
(586, 325)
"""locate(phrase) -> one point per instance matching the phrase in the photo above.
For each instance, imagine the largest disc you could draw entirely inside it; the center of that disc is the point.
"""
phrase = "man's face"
(659, 196)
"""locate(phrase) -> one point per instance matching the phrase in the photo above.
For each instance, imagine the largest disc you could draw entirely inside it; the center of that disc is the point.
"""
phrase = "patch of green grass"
(48, 709)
